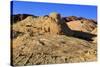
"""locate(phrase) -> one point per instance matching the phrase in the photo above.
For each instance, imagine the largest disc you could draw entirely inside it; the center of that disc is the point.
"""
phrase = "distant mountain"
(19, 17)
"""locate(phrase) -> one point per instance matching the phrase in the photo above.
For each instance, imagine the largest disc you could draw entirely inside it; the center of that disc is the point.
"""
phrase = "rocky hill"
(52, 39)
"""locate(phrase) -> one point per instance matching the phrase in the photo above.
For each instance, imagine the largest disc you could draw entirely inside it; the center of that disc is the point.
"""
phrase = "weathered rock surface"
(50, 39)
(50, 49)
(94, 31)
(82, 25)
(52, 24)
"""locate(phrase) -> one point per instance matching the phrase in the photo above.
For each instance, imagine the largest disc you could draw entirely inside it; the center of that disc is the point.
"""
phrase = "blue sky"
(40, 9)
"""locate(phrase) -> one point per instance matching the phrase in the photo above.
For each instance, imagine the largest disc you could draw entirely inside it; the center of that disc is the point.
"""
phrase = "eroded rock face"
(50, 39)
(82, 25)
(55, 16)
(51, 49)
(94, 31)
(52, 24)
(94, 38)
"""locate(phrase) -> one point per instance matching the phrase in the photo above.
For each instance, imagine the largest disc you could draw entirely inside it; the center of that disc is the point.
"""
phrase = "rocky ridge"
(52, 39)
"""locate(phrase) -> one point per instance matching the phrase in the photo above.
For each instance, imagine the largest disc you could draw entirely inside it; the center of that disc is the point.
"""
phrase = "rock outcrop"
(83, 25)
(51, 24)
(53, 39)
(51, 49)
(19, 17)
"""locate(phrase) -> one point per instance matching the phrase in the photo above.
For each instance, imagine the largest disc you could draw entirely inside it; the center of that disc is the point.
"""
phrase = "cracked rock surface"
(51, 49)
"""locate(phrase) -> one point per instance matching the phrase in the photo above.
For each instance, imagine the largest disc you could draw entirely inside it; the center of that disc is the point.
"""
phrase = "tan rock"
(44, 40)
